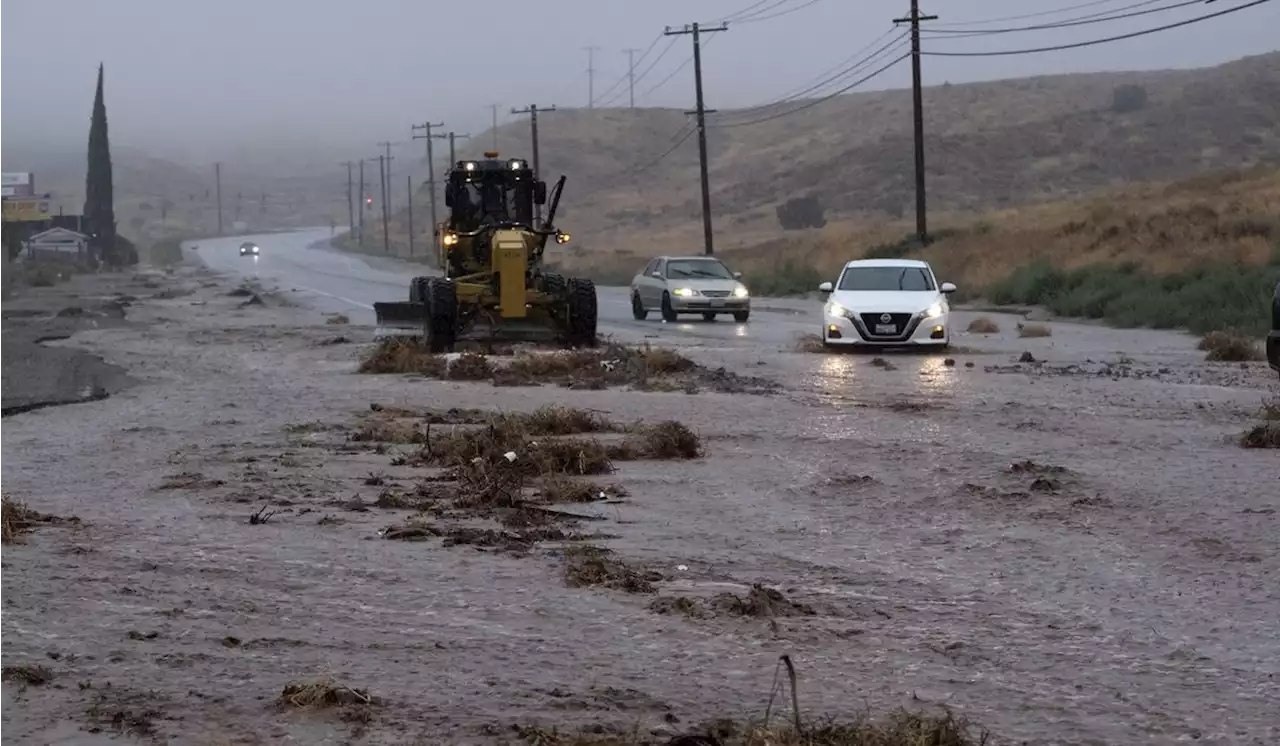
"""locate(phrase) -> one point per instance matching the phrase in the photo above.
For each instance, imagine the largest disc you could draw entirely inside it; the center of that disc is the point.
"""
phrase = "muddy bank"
(1061, 557)
(37, 370)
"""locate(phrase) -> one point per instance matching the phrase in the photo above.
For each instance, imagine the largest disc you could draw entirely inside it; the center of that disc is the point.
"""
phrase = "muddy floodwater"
(1074, 550)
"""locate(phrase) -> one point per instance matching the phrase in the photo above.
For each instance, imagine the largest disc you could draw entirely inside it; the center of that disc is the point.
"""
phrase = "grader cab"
(491, 249)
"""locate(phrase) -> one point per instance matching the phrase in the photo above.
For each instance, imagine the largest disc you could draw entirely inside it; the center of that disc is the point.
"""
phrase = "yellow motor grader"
(490, 249)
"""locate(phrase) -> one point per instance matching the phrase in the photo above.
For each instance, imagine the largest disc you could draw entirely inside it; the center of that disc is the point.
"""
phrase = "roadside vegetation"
(1200, 254)
(1229, 346)
(643, 367)
(165, 252)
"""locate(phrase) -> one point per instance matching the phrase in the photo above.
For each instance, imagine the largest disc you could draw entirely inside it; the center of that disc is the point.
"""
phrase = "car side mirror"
(947, 287)
(656, 274)
(540, 193)
(825, 287)
(448, 195)
(737, 275)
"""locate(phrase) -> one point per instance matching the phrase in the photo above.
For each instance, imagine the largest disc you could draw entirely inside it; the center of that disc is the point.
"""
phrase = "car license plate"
(717, 304)
(886, 328)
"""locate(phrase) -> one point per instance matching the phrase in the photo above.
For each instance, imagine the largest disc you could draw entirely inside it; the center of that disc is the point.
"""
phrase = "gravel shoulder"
(1074, 550)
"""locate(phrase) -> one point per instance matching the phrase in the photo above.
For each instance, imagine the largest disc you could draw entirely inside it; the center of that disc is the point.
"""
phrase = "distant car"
(673, 285)
(1273, 337)
(248, 247)
(886, 303)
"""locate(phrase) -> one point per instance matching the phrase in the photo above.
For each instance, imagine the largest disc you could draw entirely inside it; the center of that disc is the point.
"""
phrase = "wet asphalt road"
(340, 282)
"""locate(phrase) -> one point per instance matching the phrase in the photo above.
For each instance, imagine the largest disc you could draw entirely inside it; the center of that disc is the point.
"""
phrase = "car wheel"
(637, 308)
(668, 313)
(741, 316)
(709, 317)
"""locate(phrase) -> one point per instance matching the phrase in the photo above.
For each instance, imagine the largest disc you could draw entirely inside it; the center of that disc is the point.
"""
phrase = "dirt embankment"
(274, 547)
(37, 371)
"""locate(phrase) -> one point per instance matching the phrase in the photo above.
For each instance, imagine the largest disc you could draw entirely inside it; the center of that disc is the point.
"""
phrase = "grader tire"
(417, 289)
(583, 312)
(440, 297)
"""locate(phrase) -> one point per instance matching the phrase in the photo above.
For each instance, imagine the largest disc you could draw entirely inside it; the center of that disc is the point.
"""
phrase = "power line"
(810, 104)
(847, 71)
(779, 14)
(670, 43)
(674, 72)
(774, 5)
(1091, 42)
(604, 97)
(743, 11)
(678, 139)
(1037, 14)
(1103, 17)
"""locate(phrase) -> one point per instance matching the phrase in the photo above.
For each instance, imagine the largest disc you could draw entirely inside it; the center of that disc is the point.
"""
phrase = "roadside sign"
(17, 183)
(26, 209)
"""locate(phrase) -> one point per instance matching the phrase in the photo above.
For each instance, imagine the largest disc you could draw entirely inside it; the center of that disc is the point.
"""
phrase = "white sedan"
(886, 303)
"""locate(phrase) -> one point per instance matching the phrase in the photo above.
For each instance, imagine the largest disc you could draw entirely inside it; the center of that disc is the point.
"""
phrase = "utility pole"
(494, 129)
(351, 210)
(532, 111)
(382, 177)
(917, 105)
(431, 168)
(387, 146)
(631, 76)
(591, 76)
(453, 153)
(409, 191)
(701, 111)
(217, 178)
(362, 204)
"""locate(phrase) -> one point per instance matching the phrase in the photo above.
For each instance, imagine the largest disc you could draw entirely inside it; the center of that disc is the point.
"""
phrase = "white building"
(58, 244)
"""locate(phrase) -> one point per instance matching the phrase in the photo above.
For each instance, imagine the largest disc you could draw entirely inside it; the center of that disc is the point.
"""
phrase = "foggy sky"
(194, 81)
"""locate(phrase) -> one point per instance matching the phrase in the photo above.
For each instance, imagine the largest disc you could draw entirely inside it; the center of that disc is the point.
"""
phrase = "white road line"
(355, 303)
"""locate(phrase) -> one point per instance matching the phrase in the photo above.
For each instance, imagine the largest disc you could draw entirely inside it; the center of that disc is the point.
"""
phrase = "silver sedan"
(674, 285)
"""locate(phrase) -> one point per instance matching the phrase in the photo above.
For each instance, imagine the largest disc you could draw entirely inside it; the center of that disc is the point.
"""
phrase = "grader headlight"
(562, 238)
(450, 239)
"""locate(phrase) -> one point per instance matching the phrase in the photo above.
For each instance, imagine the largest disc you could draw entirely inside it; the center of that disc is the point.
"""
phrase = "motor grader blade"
(509, 330)
(399, 319)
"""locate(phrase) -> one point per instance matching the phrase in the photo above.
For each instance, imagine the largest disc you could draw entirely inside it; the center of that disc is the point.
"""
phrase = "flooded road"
(1073, 550)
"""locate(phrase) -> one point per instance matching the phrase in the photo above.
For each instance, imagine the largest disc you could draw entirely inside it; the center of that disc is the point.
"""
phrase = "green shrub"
(786, 278)
(1224, 296)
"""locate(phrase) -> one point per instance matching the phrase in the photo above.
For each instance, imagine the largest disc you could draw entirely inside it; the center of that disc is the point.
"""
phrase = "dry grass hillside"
(1202, 253)
(989, 145)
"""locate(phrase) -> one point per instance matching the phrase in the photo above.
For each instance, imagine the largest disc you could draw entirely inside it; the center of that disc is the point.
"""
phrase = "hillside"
(989, 145)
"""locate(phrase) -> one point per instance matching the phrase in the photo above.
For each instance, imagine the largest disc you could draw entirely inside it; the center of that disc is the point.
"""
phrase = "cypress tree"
(99, 201)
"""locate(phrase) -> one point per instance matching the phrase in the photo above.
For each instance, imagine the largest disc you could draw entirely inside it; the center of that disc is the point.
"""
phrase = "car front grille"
(716, 293)
(872, 320)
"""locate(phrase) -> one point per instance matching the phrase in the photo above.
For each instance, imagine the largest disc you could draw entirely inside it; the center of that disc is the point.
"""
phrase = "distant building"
(58, 245)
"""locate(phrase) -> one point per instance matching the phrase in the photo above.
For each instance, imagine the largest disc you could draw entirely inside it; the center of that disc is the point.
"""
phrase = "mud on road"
(1060, 550)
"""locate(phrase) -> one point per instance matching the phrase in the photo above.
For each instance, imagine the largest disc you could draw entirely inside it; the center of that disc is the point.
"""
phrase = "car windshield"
(886, 278)
(679, 269)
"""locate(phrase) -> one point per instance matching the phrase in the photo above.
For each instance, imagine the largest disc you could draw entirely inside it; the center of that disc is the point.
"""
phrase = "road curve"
(333, 281)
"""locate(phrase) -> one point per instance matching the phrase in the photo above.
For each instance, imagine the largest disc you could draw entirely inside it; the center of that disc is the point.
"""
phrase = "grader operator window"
(480, 192)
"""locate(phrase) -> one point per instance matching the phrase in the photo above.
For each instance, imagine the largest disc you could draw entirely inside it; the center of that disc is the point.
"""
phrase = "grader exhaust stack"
(494, 287)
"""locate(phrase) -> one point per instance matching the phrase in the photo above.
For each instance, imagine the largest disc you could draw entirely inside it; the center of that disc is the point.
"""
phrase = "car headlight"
(835, 309)
(740, 291)
(684, 292)
(934, 311)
